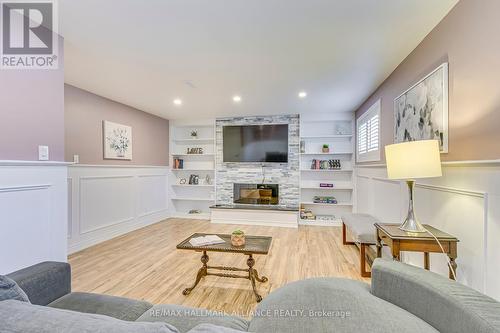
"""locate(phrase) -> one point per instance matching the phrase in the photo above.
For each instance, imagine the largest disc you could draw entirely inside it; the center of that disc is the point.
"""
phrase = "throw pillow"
(10, 290)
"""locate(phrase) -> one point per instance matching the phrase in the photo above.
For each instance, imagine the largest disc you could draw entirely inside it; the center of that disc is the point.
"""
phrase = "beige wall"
(468, 39)
(32, 111)
(84, 113)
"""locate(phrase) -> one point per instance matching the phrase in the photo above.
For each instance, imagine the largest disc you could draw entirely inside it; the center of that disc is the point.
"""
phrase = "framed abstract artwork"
(421, 112)
(117, 141)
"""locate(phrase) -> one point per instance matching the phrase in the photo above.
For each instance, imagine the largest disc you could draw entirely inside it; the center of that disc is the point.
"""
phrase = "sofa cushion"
(331, 305)
(22, 317)
(185, 318)
(10, 290)
(445, 304)
(361, 227)
(116, 307)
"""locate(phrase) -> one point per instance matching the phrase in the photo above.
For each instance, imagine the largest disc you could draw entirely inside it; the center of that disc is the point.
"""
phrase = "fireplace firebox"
(256, 194)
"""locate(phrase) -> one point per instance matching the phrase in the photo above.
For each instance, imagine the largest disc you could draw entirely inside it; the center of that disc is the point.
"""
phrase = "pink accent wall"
(85, 112)
(32, 112)
(468, 39)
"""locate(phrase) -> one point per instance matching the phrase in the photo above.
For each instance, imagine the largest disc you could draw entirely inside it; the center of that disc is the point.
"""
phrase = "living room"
(262, 166)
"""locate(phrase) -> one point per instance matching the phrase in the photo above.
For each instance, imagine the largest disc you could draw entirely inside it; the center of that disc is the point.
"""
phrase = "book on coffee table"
(206, 240)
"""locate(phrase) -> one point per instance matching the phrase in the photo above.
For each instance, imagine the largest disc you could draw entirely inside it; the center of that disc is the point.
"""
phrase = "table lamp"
(409, 161)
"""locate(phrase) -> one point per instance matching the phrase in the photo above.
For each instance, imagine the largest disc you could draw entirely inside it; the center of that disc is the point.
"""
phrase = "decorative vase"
(238, 238)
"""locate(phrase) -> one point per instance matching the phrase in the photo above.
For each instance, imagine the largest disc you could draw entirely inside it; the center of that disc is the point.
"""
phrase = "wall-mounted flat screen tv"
(255, 143)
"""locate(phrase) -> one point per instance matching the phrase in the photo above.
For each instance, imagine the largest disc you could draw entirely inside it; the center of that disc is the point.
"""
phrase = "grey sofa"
(401, 298)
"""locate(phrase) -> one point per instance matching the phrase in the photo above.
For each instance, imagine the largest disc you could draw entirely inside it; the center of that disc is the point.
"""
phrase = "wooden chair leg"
(344, 236)
(362, 261)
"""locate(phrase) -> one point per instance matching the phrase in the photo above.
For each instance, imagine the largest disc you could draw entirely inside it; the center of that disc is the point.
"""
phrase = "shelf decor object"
(409, 161)
(325, 149)
(194, 134)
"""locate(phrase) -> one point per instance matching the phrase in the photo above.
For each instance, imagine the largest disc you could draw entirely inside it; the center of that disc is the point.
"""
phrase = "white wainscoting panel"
(464, 202)
(108, 201)
(33, 215)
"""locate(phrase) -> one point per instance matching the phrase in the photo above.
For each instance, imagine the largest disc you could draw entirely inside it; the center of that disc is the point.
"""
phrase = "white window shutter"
(368, 134)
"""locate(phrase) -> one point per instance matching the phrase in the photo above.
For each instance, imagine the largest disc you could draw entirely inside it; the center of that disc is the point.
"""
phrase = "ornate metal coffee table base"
(252, 275)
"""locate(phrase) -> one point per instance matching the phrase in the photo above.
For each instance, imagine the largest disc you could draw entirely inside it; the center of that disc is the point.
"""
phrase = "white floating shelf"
(321, 223)
(195, 126)
(344, 153)
(192, 169)
(343, 204)
(193, 199)
(339, 136)
(189, 185)
(338, 188)
(188, 141)
(326, 170)
(197, 155)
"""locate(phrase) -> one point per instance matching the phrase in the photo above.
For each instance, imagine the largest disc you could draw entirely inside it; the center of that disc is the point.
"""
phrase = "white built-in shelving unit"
(336, 130)
(184, 196)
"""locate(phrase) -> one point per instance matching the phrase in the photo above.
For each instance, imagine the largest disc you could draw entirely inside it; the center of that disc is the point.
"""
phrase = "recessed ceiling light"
(237, 99)
(302, 94)
(177, 101)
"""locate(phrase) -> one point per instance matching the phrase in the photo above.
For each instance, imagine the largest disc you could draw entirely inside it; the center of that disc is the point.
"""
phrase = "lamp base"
(412, 226)
(411, 223)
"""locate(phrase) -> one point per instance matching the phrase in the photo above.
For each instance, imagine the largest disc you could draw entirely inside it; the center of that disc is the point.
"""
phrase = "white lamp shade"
(415, 159)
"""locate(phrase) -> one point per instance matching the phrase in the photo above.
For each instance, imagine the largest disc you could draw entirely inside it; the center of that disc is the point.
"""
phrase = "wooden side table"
(399, 240)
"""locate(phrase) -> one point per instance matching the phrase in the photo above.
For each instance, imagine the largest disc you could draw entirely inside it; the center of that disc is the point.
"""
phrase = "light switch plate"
(76, 159)
(43, 153)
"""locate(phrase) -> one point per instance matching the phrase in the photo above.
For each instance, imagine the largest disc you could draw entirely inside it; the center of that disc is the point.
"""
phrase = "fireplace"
(256, 194)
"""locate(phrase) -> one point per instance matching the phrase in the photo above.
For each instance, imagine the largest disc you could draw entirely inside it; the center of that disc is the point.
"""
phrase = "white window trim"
(369, 156)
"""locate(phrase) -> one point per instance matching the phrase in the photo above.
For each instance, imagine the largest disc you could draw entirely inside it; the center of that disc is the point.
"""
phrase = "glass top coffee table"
(253, 245)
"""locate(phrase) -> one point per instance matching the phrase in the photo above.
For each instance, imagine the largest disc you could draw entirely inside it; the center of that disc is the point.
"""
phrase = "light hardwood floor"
(144, 264)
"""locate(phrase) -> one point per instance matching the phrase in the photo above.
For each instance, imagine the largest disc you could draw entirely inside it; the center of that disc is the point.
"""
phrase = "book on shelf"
(325, 200)
(326, 164)
(206, 240)
(325, 185)
(178, 163)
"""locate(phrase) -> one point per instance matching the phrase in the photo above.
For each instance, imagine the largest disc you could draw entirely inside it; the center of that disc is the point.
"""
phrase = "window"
(368, 133)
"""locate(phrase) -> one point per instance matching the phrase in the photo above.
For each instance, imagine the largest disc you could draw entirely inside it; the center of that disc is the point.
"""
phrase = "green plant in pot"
(326, 148)
(238, 238)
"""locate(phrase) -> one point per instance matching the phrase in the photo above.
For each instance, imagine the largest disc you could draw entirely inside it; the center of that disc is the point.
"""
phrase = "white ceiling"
(145, 53)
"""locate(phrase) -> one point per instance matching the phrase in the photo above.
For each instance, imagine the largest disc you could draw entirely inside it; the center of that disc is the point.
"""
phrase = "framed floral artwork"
(117, 141)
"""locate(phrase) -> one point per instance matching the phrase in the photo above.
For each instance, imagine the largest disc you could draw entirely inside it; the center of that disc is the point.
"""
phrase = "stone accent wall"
(286, 175)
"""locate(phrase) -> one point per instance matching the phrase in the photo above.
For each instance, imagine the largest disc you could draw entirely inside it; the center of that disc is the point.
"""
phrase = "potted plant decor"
(194, 134)
(238, 238)
(326, 148)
